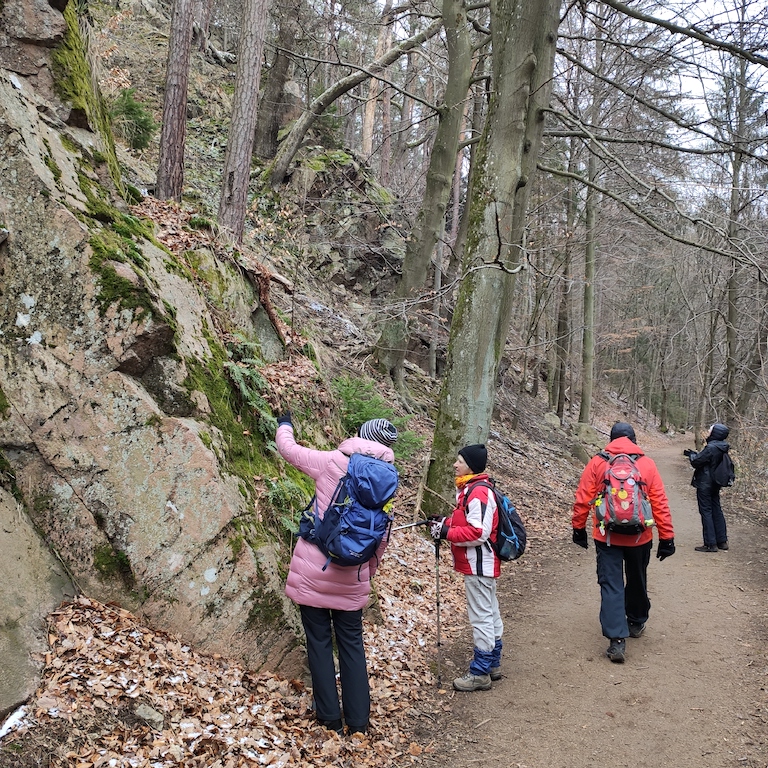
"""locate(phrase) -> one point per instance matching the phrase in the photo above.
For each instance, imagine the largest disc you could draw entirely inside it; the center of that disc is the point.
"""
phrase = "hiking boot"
(706, 548)
(496, 673)
(361, 729)
(332, 725)
(470, 682)
(615, 650)
(636, 630)
(723, 545)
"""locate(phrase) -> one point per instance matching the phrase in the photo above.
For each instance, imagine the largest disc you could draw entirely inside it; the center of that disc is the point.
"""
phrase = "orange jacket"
(592, 483)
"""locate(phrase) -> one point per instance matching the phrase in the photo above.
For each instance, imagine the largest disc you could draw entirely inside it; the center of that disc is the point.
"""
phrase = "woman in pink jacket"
(331, 599)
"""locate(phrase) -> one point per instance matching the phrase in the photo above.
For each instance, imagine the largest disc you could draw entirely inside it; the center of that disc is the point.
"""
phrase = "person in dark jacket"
(707, 490)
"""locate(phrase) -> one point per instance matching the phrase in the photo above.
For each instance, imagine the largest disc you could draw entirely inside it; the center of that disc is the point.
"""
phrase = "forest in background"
(633, 263)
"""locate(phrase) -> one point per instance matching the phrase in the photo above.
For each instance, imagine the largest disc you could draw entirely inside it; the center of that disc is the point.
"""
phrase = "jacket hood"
(718, 432)
(368, 447)
(624, 445)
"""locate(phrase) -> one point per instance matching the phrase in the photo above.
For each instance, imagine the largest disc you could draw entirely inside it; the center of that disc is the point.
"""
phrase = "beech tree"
(430, 222)
(524, 36)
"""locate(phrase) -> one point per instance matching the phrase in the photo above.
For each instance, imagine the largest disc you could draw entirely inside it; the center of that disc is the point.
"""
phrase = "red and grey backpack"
(622, 505)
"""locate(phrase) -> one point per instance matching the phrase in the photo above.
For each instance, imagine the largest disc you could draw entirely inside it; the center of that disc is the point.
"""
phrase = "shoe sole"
(615, 658)
(470, 690)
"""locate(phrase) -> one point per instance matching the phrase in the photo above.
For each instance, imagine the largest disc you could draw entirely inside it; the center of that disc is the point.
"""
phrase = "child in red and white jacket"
(470, 530)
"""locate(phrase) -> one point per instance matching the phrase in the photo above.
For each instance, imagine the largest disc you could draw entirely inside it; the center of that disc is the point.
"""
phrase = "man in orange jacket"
(624, 607)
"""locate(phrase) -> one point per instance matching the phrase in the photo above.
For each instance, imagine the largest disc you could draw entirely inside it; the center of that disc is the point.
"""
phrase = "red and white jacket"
(472, 527)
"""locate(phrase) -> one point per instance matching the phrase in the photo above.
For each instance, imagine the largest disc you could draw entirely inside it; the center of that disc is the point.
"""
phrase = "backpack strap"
(490, 483)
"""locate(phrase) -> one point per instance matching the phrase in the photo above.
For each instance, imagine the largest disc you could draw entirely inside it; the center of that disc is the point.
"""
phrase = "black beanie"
(476, 457)
(622, 429)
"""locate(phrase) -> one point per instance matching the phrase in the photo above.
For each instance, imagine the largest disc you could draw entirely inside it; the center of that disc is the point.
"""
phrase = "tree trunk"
(369, 114)
(588, 338)
(237, 161)
(201, 24)
(292, 141)
(170, 166)
(430, 222)
(524, 36)
(273, 99)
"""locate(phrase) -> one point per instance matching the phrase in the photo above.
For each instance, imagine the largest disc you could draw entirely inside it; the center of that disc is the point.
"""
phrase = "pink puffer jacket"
(336, 587)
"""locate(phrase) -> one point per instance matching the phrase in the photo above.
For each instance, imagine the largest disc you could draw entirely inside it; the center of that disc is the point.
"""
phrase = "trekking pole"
(410, 525)
(437, 607)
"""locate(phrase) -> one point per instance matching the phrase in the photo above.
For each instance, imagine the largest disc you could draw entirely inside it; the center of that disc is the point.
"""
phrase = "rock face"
(34, 583)
(102, 437)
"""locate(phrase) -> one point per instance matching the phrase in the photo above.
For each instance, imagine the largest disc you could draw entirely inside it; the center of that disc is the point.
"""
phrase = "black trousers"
(622, 601)
(320, 627)
(713, 525)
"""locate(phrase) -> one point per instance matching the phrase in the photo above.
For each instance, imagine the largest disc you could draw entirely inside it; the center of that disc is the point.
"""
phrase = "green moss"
(76, 83)
(200, 222)
(97, 201)
(5, 406)
(236, 544)
(113, 563)
(110, 246)
(69, 145)
(267, 609)
(133, 195)
(51, 163)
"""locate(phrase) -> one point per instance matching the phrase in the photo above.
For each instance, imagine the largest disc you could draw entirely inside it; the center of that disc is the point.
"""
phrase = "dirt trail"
(692, 692)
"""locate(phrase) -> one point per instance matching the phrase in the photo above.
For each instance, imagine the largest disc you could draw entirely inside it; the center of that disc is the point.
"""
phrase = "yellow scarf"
(462, 480)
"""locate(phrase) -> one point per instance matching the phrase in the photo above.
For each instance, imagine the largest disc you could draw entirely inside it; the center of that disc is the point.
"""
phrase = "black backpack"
(724, 473)
(511, 536)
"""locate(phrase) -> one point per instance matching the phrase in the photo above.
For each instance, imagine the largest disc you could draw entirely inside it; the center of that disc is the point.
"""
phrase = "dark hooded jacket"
(708, 458)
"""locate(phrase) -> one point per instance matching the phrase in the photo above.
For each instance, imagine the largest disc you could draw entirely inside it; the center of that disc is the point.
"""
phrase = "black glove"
(687, 452)
(580, 537)
(284, 418)
(665, 548)
(437, 528)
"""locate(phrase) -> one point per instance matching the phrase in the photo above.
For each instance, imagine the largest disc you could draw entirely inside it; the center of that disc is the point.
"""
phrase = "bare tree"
(430, 223)
(524, 34)
(237, 161)
(170, 171)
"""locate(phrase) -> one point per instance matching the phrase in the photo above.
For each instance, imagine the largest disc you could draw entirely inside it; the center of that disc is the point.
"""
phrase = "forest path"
(692, 692)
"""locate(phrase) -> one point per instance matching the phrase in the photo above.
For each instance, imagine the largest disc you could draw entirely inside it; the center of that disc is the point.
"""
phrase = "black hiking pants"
(321, 625)
(622, 602)
(713, 525)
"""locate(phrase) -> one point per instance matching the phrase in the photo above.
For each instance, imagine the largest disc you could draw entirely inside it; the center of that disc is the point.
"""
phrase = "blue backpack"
(511, 536)
(358, 517)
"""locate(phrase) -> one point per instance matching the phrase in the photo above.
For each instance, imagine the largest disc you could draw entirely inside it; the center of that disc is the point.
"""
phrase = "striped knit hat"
(378, 430)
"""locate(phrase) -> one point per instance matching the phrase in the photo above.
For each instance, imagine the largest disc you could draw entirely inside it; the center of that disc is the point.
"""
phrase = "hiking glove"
(687, 452)
(437, 528)
(665, 548)
(580, 537)
(284, 418)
